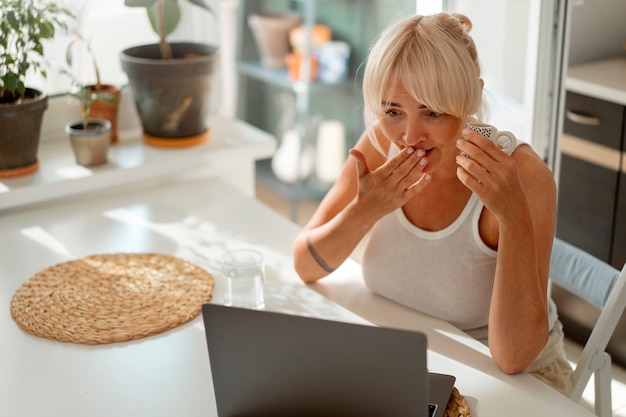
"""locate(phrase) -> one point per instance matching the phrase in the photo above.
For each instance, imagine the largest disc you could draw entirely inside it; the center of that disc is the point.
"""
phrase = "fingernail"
(409, 151)
(459, 142)
(423, 161)
(465, 132)
(426, 177)
(420, 153)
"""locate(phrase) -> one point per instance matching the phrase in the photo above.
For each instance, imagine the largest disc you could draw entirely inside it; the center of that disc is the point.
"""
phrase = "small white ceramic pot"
(90, 145)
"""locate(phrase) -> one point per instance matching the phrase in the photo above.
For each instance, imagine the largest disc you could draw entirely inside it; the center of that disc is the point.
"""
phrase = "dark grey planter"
(171, 96)
(20, 130)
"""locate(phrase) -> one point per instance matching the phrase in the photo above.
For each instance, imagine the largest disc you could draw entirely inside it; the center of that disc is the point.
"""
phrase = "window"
(112, 27)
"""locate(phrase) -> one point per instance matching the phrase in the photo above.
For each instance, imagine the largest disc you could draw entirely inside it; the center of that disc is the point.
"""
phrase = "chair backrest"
(601, 285)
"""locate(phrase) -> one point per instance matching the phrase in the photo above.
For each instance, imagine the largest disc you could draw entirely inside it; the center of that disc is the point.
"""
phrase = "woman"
(456, 228)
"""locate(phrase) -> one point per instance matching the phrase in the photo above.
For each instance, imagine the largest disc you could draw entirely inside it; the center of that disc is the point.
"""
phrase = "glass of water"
(244, 273)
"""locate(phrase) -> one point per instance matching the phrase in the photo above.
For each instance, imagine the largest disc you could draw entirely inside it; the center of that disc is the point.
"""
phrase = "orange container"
(295, 64)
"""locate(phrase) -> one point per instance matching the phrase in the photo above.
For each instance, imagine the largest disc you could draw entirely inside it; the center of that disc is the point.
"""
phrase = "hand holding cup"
(504, 139)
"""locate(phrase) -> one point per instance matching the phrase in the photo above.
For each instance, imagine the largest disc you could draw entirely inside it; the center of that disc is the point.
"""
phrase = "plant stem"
(166, 50)
(95, 66)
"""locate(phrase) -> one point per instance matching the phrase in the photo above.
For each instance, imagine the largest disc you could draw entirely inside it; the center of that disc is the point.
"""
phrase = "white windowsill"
(233, 144)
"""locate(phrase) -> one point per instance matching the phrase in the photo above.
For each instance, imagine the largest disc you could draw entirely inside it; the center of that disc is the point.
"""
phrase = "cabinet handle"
(581, 119)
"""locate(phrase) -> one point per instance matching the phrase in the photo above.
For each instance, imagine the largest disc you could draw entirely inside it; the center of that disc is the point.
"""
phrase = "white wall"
(598, 30)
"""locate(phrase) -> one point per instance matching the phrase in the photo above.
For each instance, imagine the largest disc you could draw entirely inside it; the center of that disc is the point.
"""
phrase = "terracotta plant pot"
(90, 145)
(271, 33)
(106, 110)
(20, 130)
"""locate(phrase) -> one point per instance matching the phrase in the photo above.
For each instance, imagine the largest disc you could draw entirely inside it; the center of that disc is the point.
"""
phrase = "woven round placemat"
(457, 405)
(111, 298)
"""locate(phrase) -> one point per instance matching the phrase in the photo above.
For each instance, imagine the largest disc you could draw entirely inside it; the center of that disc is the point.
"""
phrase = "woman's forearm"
(518, 321)
(320, 249)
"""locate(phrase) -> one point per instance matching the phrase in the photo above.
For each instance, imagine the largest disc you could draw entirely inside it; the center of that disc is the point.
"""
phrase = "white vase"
(331, 150)
(291, 158)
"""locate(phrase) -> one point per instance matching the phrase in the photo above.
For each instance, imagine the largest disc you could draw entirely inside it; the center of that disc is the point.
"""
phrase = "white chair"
(605, 287)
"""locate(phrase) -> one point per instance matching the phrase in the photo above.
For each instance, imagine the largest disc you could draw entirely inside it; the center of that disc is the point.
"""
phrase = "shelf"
(132, 161)
(280, 78)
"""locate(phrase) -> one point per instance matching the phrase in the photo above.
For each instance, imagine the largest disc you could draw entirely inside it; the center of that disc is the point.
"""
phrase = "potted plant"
(170, 81)
(90, 137)
(24, 25)
(99, 108)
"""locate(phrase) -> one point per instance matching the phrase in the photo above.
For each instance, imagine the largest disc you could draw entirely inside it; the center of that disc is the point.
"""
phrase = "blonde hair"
(434, 58)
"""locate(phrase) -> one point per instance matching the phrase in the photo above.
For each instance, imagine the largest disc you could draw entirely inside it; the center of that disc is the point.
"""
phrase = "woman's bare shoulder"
(533, 170)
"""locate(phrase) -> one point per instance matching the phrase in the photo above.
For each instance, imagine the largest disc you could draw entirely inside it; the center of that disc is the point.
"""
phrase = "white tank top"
(448, 274)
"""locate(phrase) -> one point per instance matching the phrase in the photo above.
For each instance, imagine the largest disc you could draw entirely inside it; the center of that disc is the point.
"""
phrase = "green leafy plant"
(164, 16)
(24, 24)
(80, 91)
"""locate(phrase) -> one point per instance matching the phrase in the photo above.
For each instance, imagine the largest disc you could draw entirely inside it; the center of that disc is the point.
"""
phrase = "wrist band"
(316, 256)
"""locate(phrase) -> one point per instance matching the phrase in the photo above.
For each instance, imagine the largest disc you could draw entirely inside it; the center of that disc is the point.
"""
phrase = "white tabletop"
(168, 374)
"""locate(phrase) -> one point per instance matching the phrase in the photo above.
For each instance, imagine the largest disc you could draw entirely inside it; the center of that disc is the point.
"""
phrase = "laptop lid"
(267, 364)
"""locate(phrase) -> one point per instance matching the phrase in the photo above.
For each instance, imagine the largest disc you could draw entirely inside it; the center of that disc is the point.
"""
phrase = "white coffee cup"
(244, 273)
(504, 139)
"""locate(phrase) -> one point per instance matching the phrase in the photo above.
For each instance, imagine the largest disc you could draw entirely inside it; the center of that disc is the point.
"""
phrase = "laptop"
(268, 364)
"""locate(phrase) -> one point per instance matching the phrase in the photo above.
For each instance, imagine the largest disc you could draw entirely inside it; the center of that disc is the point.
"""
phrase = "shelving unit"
(251, 71)
(280, 78)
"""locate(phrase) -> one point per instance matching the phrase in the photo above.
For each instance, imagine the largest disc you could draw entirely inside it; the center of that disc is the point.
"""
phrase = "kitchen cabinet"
(592, 185)
(591, 180)
(590, 169)
(618, 253)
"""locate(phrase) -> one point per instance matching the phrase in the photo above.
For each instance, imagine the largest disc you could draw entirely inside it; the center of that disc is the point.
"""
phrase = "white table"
(168, 374)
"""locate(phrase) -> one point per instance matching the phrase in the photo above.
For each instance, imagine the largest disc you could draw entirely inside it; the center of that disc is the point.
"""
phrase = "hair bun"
(465, 21)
